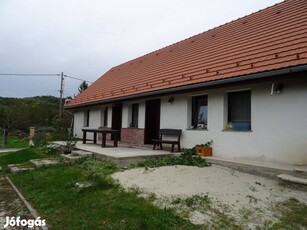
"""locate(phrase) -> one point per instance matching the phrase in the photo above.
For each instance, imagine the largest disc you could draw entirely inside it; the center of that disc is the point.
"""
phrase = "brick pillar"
(133, 136)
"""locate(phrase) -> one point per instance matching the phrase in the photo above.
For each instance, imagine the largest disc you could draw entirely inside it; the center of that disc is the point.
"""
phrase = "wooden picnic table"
(104, 134)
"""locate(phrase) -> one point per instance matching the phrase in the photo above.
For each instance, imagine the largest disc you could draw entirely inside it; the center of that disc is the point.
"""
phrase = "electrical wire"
(30, 74)
(77, 78)
(43, 75)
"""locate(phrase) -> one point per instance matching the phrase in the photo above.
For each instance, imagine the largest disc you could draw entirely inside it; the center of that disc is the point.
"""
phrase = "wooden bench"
(168, 132)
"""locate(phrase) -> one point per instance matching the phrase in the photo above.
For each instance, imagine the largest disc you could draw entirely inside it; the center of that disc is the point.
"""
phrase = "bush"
(186, 158)
(53, 149)
(40, 139)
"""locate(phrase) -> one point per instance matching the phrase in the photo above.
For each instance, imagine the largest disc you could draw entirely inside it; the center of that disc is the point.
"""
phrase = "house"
(242, 84)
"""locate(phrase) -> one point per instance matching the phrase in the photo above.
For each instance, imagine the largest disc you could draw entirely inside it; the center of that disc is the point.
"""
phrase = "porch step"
(300, 169)
(292, 179)
(81, 153)
(35, 163)
(44, 162)
(16, 168)
(76, 155)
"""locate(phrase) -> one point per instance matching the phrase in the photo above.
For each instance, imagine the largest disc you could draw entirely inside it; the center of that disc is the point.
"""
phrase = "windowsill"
(196, 129)
(237, 131)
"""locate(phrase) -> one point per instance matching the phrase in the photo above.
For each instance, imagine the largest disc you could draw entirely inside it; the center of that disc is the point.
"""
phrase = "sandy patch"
(234, 192)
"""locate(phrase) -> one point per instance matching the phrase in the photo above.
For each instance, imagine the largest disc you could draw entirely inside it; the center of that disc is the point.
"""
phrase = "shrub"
(186, 158)
(40, 139)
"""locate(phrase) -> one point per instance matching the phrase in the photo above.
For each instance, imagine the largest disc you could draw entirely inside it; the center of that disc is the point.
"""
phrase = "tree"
(22, 113)
(83, 86)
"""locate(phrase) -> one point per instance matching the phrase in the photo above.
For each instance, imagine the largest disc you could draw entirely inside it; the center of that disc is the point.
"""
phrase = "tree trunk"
(5, 137)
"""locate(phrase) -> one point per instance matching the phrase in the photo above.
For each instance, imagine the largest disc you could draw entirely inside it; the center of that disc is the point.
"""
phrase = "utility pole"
(61, 96)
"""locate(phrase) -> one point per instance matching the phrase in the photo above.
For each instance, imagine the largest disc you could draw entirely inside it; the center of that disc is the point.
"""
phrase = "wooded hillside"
(22, 113)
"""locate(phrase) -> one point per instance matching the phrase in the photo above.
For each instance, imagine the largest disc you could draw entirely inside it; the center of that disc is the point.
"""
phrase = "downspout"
(72, 120)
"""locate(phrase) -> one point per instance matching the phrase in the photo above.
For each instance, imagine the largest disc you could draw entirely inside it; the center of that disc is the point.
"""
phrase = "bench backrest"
(170, 132)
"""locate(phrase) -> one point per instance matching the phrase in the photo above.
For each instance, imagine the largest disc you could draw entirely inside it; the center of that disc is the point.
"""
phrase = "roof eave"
(253, 76)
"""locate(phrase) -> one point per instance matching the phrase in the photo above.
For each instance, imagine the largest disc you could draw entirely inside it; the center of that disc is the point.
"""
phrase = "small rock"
(197, 218)
(83, 185)
(31, 143)
(252, 226)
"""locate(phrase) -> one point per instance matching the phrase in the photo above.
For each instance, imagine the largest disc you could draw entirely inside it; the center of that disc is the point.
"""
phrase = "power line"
(31, 74)
(43, 75)
(62, 76)
(77, 78)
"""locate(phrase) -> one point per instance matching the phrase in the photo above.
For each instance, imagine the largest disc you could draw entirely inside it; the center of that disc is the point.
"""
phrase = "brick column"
(133, 136)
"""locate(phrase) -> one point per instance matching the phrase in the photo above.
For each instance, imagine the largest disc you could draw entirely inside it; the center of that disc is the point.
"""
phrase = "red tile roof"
(270, 39)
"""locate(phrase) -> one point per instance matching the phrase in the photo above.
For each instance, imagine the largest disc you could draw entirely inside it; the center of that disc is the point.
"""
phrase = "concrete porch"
(123, 155)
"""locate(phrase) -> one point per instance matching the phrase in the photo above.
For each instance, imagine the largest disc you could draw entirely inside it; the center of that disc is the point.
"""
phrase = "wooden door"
(152, 120)
(117, 118)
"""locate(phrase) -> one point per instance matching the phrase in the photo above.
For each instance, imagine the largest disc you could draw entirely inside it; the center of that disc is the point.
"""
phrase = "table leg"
(115, 139)
(95, 137)
(103, 144)
(84, 137)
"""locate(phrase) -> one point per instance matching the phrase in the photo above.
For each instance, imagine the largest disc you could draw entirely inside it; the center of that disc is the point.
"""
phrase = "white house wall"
(95, 120)
(279, 123)
(127, 113)
(78, 123)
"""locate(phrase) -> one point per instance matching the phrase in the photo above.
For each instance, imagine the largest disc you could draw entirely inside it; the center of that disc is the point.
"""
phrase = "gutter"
(254, 76)
(72, 120)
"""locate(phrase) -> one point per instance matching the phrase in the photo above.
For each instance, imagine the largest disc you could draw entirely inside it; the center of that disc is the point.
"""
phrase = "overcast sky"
(84, 39)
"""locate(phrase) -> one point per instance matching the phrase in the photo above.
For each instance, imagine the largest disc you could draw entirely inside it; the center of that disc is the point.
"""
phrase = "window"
(239, 110)
(86, 120)
(200, 112)
(105, 117)
(135, 115)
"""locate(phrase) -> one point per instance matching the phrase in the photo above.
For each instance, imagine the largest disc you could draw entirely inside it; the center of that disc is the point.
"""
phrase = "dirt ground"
(246, 198)
(10, 204)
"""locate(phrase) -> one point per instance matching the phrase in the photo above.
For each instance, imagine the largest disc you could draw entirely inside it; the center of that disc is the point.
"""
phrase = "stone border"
(27, 204)
(256, 169)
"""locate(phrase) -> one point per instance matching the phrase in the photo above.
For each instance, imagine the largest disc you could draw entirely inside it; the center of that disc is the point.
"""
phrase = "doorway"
(117, 118)
(152, 120)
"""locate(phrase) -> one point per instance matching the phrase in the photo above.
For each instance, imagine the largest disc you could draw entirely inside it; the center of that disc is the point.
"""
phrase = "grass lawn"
(14, 142)
(294, 215)
(21, 156)
(103, 205)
